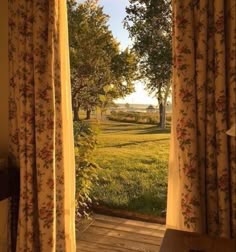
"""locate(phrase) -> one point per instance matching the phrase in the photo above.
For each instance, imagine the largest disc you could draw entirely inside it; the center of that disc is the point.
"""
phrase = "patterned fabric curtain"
(41, 135)
(202, 171)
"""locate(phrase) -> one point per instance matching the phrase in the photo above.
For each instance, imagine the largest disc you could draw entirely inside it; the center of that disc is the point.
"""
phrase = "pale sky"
(116, 10)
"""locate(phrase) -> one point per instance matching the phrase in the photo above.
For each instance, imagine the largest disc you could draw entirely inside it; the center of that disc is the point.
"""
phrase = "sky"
(116, 10)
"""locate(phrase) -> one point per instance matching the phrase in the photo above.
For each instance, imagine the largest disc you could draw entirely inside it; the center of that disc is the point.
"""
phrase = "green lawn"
(133, 158)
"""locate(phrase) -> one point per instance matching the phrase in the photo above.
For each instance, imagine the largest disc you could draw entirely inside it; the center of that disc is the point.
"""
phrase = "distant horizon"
(140, 96)
(138, 107)
(141, 104)
(122, 102)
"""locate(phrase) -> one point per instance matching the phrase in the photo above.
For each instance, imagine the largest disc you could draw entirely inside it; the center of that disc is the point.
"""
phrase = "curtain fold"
(40, 123)
(202, 169)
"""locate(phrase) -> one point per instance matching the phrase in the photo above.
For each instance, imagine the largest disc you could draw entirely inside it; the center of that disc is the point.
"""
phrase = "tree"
(97, 65)
(150, 109)
(149, 24)
(127, 106)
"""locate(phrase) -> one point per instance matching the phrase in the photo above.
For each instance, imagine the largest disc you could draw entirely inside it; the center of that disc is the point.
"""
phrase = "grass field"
(133, 158)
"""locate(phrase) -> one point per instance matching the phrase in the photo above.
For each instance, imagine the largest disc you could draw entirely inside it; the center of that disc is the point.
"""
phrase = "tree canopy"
(100, 72)
(149, 23)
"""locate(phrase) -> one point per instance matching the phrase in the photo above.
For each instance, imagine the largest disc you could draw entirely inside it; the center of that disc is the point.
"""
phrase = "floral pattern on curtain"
(202, 170)
(40, 123)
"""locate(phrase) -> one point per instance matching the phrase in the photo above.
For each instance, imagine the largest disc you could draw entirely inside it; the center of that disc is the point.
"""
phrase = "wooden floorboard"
(131, 222)
(125, 235)
(112, 234)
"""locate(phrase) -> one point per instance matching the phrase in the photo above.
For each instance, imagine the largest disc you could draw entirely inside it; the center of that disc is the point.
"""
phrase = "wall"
(3, 111)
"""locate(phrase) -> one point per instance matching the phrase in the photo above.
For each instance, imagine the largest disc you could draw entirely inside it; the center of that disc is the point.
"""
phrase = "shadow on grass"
(115, 125)
(147, 203)
(136, 143)
(154, 130)
(132, 126)
(125, 126)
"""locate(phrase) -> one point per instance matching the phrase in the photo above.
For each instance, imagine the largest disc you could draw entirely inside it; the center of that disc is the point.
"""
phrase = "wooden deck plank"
(128, 228)
(108, 234)
(125, 235)
(96, 247)
(130, 222)
(119, 243)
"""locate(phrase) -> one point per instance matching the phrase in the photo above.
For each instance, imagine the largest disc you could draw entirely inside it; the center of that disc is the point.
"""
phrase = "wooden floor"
(111, 234)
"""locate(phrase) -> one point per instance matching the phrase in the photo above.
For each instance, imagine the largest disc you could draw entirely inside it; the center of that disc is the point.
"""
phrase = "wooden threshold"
(127, 214)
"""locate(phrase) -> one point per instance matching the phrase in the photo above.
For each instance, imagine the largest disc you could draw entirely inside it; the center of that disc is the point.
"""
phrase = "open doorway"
(121, 88)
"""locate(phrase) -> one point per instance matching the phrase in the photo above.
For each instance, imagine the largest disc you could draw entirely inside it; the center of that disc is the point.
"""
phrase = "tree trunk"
(76, 113)
(162, 107)
(103, 114)
(162, 114)
(88, 116)
(163, 117)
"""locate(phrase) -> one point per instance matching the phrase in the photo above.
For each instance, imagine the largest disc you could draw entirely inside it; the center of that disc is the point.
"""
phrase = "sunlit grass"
(133, 158)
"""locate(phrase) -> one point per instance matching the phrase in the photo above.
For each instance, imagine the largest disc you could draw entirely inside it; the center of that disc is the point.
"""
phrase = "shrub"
(138, 117)
(86, 168)
(134, 117)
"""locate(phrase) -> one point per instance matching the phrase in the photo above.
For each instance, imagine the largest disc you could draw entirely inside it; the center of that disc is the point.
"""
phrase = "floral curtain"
(41, 136)
(202, 171)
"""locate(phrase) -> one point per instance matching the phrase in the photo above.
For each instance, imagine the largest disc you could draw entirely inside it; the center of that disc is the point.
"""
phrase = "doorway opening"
(121, 93)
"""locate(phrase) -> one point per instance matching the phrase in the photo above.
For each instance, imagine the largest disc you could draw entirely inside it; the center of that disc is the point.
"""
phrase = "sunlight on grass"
(134, 167)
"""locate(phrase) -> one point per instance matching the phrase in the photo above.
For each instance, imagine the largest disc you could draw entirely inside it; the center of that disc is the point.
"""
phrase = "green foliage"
(138, 117)
(133, 160)
(86, 168)
(127, 105)
(100, 72)
(149, 23)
